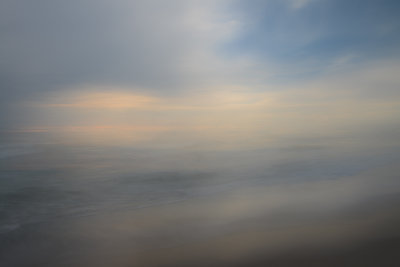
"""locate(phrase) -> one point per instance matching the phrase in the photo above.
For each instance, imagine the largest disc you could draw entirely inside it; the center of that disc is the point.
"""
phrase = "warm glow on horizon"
(239, 117)
(103, 100)
(113, 98)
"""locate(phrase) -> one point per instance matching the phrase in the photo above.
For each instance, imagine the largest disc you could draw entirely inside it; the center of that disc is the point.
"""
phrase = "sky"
(222, 73)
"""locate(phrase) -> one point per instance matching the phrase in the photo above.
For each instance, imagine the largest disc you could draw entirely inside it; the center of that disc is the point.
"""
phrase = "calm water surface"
(66, 205)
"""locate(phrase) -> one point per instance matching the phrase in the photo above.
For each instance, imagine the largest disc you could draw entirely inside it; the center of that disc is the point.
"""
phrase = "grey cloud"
(55, 44)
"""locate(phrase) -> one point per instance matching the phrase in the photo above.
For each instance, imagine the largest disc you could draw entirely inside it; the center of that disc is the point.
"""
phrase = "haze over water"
(199, 133)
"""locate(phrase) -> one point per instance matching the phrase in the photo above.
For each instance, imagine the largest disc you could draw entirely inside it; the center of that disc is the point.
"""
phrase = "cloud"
(154, 45)
(148, 47)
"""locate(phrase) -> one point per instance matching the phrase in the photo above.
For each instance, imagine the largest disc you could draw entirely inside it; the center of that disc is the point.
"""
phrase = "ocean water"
(284, 205)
